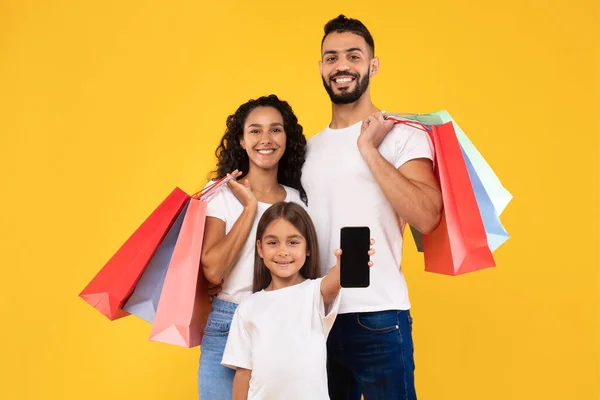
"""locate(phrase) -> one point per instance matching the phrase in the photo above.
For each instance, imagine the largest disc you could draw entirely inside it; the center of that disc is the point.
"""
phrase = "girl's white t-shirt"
(226, 207)
(281, 336)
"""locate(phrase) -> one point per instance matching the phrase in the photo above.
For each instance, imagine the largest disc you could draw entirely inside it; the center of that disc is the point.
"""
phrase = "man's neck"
(345, 115)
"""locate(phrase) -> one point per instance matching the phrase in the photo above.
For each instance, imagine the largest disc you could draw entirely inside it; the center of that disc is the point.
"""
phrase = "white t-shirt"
(226, 207)
(342, 191)
(281, 336)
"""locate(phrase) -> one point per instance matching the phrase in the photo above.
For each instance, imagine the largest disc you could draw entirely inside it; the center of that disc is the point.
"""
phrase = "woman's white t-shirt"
(281, 336)
(226, 207)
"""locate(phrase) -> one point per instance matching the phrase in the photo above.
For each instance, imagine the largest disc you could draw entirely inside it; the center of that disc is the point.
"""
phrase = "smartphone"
(355, 243)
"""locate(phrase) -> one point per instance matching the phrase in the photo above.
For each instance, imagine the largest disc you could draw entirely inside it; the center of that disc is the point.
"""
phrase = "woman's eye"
(277, 130)
(254, 131)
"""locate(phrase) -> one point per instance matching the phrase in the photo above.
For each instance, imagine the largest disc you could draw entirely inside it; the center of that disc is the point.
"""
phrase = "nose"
(265, 138)
(283, 253)
(342, 66)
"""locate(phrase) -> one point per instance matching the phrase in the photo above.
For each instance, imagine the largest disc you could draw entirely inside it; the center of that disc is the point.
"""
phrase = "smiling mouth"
(343, 79)
(266, 152)
(283, 263)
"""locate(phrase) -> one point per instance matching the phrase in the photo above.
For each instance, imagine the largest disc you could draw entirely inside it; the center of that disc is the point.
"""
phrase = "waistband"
(225, 307)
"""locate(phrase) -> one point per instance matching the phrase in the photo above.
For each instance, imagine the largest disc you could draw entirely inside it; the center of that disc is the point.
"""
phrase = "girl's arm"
(330, 284)
(241, 384)
(220, 251)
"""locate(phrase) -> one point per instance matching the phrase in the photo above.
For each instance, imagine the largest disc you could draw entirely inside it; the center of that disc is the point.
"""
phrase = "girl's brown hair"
(297, 216)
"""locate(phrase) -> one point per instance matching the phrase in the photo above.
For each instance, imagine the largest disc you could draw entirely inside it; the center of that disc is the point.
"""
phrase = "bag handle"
(412, 124)
(210, 190)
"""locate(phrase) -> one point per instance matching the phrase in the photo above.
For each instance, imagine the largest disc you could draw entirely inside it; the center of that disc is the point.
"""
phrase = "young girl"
(277, 341)
(265, 144)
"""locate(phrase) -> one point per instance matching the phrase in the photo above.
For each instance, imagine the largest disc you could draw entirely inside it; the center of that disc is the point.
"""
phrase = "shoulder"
(293, 195)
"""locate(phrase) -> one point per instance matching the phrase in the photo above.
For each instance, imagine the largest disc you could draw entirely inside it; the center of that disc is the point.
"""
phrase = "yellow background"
(106, 106)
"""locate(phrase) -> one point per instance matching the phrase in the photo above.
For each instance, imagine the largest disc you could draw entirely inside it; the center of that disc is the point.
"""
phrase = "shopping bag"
(489, 208)
(113, 284)
(459, 244)
(496, 192)
(144, 299)
(184, 304)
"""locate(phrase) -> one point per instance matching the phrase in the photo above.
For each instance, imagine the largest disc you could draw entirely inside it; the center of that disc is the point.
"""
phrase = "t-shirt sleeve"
(238, 350)
(411, 143)
(295, 198)
(217, 207)
(327, 316)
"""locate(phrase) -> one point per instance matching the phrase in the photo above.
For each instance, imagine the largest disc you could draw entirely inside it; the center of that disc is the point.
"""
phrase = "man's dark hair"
(343, 24)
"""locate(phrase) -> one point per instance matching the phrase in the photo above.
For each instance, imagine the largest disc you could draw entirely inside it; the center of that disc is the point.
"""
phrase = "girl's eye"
(271, 243)
(294, 242)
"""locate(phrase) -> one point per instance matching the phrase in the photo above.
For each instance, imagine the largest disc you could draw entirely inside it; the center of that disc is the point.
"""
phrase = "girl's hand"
(242, 191)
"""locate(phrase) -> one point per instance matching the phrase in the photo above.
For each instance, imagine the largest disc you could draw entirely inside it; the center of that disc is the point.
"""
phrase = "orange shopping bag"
(184, 304)
(459, 244)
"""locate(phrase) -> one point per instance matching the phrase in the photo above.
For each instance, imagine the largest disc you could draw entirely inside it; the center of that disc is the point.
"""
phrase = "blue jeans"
(371, 353)
(215, 381)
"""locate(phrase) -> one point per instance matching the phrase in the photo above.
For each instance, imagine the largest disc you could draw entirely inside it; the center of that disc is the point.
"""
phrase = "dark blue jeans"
(371, 353)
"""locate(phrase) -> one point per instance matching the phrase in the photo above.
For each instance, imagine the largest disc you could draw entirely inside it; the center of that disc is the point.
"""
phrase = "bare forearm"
(220, 258)
(241, 384)
(330, 285)
(416, 203)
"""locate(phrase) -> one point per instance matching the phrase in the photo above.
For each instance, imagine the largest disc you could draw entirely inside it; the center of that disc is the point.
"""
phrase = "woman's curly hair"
(232, 156)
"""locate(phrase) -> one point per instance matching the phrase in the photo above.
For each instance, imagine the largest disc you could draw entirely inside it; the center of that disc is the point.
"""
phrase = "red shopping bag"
(459, 244)
(114, 283)
(184, 304)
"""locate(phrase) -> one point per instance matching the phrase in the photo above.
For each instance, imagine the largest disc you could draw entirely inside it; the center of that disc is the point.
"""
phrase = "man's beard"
(347, 97)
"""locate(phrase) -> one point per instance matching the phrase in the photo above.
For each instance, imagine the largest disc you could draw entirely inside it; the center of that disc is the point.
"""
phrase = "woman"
(264, 147)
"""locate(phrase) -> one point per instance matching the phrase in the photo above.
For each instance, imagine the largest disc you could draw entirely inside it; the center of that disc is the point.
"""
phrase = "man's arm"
(412, 189)
(241, 384)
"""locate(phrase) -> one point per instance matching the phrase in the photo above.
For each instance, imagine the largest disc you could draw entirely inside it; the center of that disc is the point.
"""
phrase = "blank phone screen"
(355, 243)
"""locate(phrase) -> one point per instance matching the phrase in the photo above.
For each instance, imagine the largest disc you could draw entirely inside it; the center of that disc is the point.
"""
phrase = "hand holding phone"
(355, 243)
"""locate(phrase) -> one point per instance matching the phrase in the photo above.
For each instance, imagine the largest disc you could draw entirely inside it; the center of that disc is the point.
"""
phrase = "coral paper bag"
(459, 244)
(111, 287)
(184, 303)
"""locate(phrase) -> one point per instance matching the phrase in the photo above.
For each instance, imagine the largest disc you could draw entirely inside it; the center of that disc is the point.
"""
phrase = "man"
(363, 171)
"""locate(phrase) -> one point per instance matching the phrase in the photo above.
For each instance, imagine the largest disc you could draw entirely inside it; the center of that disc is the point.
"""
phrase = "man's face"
(346, 67)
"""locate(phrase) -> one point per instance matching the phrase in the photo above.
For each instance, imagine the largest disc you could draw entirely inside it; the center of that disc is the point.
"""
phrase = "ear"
(321, 67)
(259, 249)
(374, 67)
(242, 143)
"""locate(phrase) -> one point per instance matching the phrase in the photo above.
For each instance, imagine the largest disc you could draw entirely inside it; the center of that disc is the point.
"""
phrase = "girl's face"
(264, 137)
(283, 250)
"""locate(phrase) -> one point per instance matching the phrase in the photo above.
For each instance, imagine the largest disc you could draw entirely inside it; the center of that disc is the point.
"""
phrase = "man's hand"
(372, 131)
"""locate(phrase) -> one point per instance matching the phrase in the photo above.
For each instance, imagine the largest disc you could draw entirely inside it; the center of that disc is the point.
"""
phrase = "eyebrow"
(259, 125)
(289, 237)
(351, 49)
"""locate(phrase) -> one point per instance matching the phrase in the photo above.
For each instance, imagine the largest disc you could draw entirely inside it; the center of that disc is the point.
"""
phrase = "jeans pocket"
(378, 322)
(217, 326)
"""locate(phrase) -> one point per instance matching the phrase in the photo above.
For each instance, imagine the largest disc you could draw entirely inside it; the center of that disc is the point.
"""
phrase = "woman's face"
(264, 137)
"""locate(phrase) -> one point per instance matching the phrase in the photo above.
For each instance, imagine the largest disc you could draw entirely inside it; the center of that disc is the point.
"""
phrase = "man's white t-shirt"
(342, 191)
(226, 207)
(281, 336)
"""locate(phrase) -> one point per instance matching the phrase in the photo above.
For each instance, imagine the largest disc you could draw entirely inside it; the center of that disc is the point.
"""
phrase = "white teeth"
(343, 80)
(266, 151)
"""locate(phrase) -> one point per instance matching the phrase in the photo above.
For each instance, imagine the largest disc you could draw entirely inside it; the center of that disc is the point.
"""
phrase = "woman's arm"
(221, 251)
(241, 384)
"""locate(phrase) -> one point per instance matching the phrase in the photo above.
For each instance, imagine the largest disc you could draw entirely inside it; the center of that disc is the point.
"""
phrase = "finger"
(372, 241)
(370, 263)
(371, 252)
(337, 252)
(247, 183)
(379, 116)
